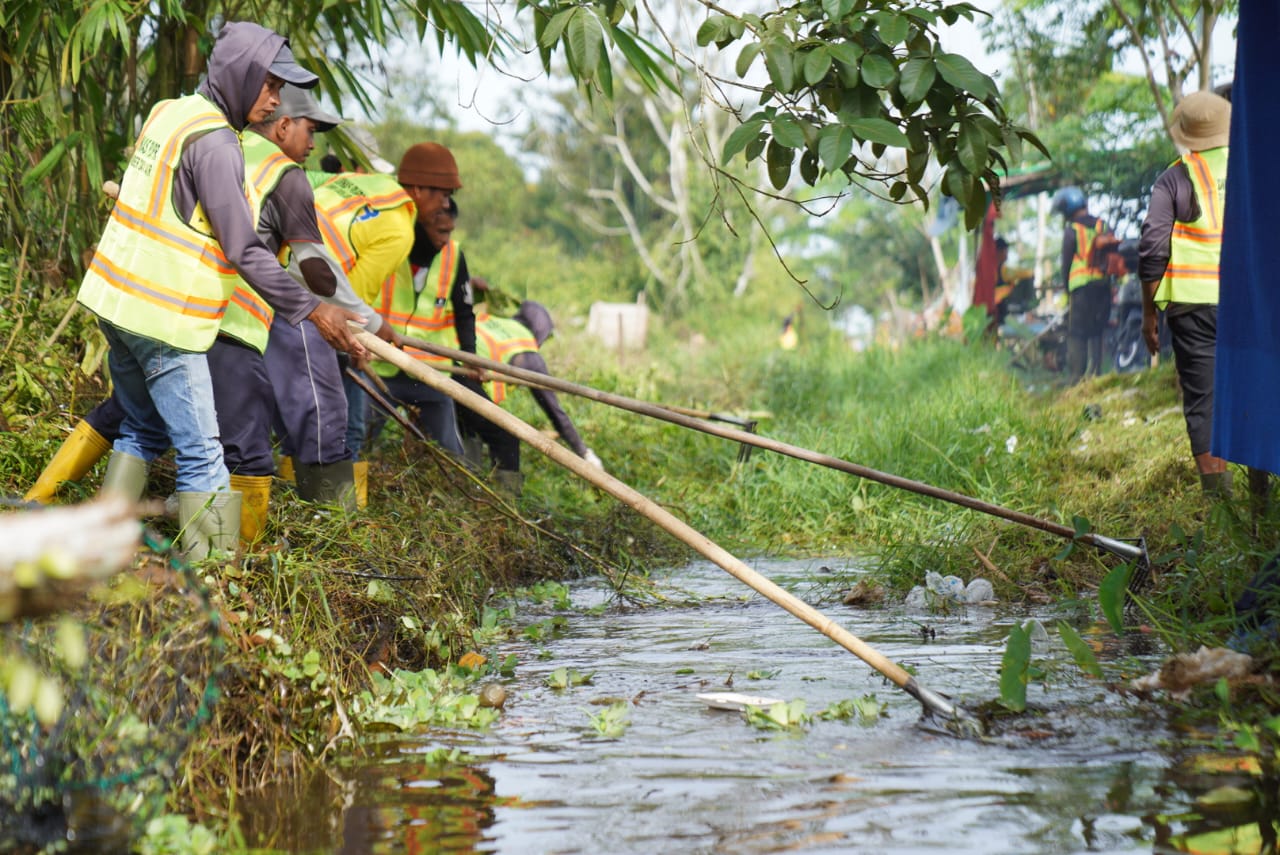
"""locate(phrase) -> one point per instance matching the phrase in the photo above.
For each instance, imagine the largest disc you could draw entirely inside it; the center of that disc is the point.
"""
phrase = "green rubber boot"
(126, 476)
(330, 483)
(209, 523)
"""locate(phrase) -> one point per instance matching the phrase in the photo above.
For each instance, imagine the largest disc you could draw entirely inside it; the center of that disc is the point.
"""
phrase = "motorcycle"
(1126, 325)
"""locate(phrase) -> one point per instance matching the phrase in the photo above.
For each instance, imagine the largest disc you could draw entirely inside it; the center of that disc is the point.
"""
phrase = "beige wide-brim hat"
(1201, 121)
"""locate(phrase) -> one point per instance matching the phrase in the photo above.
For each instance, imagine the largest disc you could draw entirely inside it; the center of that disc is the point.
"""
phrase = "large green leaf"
(779, 59)
(835, 144)
(787, 131)
(1014, 667)
(816, 65)
(1080, 651)
(779, 159)
(877, 70)
(972, 148)
(918, 75)
(960, 72)
(893, 28)
(878, 130)
(1111, 596)
(743, 134)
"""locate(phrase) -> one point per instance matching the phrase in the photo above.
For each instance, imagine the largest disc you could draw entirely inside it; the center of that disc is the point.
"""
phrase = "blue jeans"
(167, 398)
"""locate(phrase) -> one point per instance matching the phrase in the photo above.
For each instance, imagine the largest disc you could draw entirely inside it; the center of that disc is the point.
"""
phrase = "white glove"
(590, 457)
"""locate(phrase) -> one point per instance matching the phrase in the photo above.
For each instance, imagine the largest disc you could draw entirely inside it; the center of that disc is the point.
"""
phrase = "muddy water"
(1088, 772)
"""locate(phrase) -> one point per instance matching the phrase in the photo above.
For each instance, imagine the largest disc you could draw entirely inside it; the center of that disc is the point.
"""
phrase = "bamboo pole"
(1127, 551)
(766, 587)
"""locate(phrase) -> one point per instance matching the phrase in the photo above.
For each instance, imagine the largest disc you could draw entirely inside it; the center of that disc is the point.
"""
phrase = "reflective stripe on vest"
(248, 316)
(403, 307)
(1081, 273)
(1195, 247)
(344, 199)
(501, 339)
(155, 274)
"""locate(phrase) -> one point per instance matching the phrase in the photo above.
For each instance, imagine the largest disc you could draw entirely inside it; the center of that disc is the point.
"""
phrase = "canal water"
(1086, 770)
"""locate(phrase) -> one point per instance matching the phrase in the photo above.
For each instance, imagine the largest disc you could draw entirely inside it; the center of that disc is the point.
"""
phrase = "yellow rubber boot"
(76, 456)
(360, 473)
(255, 502)
(285, 469)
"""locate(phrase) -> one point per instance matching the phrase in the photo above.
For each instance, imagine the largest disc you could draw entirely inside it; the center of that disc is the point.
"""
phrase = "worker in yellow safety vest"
(1178, 256)
(180, 238)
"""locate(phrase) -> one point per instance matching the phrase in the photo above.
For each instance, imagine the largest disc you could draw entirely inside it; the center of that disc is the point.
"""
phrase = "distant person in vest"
(180, 236)
(517, 341)
(430, 296)
(1015, 286)
(1088, 290)
(367, 221)
(1178, 265)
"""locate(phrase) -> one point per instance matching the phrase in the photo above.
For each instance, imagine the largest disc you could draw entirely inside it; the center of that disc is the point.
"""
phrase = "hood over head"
(535, 316)
(238, 67)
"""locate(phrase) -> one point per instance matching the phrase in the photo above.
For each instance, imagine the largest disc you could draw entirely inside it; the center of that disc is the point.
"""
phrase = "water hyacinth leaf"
(1111, 596)
(1014, 669)
(1080, 651)
(962, 74)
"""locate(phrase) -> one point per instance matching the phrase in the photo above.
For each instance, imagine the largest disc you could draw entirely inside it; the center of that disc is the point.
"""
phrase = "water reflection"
(1083, 771)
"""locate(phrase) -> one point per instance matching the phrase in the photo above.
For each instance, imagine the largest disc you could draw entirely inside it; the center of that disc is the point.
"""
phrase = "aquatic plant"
(612, 721)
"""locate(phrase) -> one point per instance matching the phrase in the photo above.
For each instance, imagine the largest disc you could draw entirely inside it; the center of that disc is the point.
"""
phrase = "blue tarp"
(1246, 407)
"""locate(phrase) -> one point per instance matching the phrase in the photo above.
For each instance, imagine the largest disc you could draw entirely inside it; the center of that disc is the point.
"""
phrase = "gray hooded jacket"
(212, 167)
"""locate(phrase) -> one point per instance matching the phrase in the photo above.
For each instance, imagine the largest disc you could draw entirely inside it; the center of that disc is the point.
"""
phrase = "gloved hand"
(590, 457)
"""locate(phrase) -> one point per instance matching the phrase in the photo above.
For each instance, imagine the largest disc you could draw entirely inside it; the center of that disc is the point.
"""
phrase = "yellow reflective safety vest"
(500, 339)
(248, 316)
(1081, 272)
(344, 199)
(1195, 248)
(153, 273)
(417, 305)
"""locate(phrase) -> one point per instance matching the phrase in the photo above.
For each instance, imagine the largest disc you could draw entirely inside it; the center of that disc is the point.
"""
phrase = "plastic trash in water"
(944, 592)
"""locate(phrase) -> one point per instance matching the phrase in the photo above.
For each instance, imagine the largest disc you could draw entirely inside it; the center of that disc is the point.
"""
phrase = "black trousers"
(1195, 337)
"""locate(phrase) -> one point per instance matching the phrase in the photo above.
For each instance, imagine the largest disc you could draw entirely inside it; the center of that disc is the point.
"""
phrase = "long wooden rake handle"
(766, 587)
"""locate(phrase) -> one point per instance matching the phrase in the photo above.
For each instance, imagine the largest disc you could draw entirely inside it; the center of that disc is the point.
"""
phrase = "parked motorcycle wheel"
(1131, 351)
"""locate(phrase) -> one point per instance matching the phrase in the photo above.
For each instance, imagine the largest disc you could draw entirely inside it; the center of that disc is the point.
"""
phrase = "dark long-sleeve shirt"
(1173, 198)
(550, 404)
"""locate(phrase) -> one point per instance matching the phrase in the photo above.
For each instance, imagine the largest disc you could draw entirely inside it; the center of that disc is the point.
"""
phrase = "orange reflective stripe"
(257, 307)
(202, 250)
(1208, 191)
(335, 241)
(1192, 271)
(158, 295)
(264, 169)
(1188, 232)
(161, 179)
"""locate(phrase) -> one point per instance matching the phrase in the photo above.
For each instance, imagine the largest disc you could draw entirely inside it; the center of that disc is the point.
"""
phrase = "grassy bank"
(304, 622)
